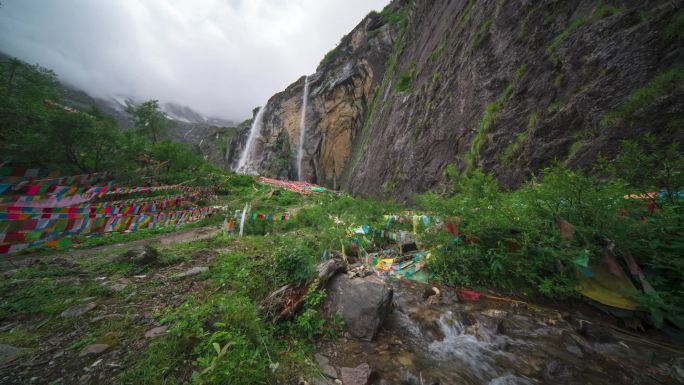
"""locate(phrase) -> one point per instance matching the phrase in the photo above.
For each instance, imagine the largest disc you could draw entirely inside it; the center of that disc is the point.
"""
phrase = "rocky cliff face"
(506, 86)
(339, 96)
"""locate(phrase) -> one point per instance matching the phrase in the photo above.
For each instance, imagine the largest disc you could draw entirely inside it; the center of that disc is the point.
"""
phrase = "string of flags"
(14, 241)
(42, 209)
(269, 217)
(305, 188)
(240, 216)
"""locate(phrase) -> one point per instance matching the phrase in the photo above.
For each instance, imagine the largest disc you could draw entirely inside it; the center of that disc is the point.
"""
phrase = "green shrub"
(675, 28)
(662, 84)
(406, 79)
(295, 265)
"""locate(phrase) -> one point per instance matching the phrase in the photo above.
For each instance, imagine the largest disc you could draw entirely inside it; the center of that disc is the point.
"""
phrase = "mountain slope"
(208, 136)
(510, 87)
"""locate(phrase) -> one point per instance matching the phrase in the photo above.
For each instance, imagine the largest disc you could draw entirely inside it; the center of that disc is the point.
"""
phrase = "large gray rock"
(78, 310)
(363, 303)
(355, 376)
(324, 365)
(9, 353)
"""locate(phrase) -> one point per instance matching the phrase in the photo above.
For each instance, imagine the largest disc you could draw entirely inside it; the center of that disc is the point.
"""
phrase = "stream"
(491, 342)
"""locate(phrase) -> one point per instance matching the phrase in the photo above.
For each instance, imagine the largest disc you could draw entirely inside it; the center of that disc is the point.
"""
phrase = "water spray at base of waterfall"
(302, 128)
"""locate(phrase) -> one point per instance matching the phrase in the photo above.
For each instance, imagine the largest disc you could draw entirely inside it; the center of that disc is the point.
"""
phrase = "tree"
(149, 120)
(24, 90)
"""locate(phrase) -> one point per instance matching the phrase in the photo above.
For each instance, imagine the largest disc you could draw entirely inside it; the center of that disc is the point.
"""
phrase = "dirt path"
(164, 239)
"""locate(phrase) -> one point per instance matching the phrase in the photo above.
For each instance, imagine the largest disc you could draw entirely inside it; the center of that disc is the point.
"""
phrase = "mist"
(220, 57)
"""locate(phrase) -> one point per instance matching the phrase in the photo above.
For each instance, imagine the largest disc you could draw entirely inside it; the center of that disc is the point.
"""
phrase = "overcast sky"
(220, 57)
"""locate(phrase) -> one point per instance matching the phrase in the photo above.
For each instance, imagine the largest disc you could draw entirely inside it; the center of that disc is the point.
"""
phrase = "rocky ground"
(89, 316)
(108, 319)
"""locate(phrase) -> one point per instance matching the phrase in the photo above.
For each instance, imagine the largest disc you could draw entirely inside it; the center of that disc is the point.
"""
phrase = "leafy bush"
(512, 239)
(294, 265)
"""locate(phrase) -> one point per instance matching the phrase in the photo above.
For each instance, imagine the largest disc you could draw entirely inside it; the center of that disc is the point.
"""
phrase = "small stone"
(94, 350)
(118, 287)
(355, 376)
(325, 366)
(86, 299)
(9, 353)
(78, 310)
(193, 271)
(156, 332)
(6, 328)
(106, 316)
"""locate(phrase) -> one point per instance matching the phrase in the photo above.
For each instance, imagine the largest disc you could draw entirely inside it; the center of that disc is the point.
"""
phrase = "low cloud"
(220, 57)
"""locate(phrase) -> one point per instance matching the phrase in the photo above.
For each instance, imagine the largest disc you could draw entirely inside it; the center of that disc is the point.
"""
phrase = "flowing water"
(302, 128)
(245, 163)
(486, 342)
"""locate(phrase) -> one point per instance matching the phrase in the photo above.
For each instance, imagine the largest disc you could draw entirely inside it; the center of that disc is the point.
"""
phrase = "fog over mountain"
(220, 57)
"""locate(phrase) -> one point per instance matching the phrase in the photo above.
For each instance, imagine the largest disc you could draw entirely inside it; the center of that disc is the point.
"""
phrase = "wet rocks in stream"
(363, 304)
(359, 375)
(426, 341)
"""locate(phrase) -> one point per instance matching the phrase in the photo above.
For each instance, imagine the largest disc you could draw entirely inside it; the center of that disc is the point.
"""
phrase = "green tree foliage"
(149, 120)
(36, 131)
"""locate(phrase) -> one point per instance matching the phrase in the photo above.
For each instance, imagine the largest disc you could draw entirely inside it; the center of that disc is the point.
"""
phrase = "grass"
(662, 84)
(675, 28)
(601, 11)
(513, 149)
(437, 53)
(489, 117)
(406, 79)
(327, 58)
(481, 32)
(219, 334)
(464, 16)
(574, 147)
(554, 107)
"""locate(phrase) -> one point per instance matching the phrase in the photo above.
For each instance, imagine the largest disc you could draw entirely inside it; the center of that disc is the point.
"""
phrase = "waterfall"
(245, 163)
(302, 128)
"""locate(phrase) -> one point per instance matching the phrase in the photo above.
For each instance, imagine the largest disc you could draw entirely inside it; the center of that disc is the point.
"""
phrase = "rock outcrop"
(363, 303)
(511, 87)
(340, 93)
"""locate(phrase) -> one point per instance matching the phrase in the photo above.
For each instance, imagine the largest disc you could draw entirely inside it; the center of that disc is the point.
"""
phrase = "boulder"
(355, 376)
(94, 350)
(78, 310)
(156, 332)
(324, 365)
(363, 303)
(9, 353)
(193, 271)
